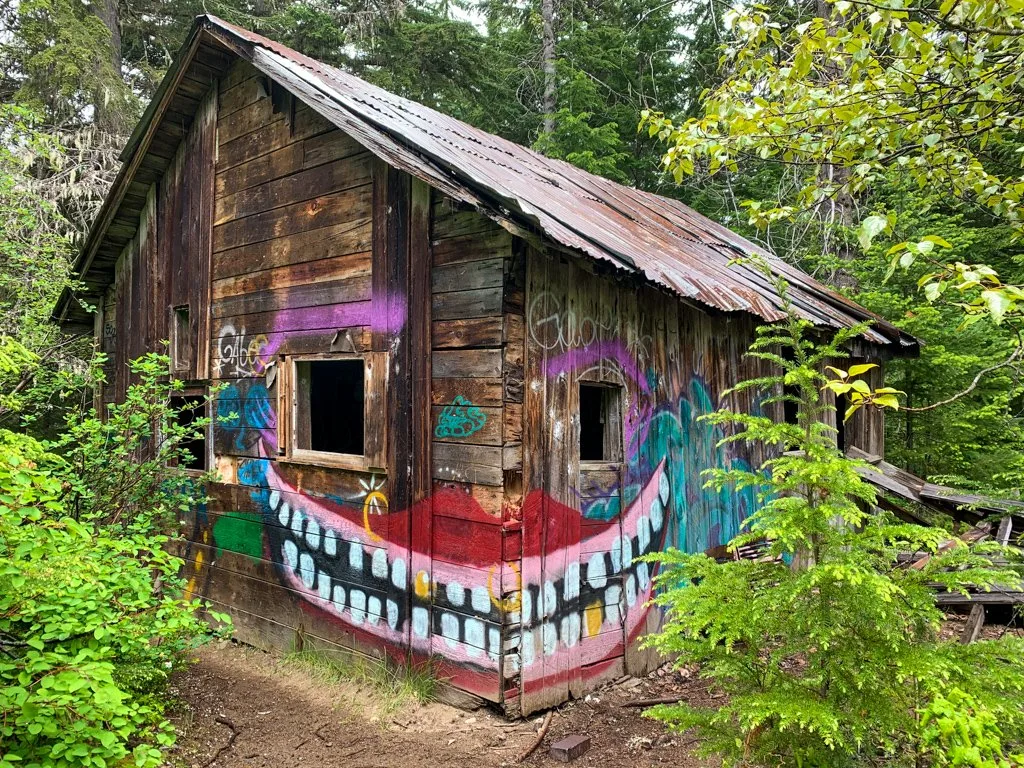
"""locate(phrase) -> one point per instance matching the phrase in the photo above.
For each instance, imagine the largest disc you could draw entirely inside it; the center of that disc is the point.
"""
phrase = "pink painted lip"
(359, 577)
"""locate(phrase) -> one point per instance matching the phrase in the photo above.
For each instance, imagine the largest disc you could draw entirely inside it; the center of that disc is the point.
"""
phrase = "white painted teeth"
(552, 613)
(596, 572)
(657, 514)
(313, 533)
(291, 554)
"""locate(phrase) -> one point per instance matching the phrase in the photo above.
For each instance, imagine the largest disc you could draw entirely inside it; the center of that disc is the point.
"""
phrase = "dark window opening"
(600, 428)
(790, 412)
(181, 339)
(329, 403)
(188, 410)
(842, 403)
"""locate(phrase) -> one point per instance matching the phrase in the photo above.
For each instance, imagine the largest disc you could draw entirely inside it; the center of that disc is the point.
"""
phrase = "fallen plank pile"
(976, 511)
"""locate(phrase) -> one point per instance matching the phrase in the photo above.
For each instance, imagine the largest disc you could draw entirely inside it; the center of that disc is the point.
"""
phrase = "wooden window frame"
(373, 458)
(614, 425)
(182, 354)
(201, 391)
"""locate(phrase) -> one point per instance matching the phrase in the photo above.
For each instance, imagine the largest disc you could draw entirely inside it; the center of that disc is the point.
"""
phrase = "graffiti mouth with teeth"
(326, 553)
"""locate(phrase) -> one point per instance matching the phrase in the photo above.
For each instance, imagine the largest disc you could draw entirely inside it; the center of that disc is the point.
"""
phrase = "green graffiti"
(240, 532)
(460, 419)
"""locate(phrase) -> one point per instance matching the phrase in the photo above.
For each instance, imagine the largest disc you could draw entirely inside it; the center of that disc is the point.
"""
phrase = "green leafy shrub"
(92, 619)
(828, 649)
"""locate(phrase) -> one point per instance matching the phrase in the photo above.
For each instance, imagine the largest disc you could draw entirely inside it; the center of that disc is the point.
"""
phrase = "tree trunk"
(837, 212)
(108, 116)
(547, 10)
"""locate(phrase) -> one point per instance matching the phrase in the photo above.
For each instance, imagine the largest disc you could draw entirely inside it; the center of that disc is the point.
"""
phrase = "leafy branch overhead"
(930, 90)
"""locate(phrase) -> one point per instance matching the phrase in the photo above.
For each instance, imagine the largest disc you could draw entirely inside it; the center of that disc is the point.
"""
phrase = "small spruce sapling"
(828, 649)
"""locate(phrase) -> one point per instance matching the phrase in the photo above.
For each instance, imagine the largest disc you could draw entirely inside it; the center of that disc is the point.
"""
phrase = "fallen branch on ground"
(653, 702)
(540, 736)
(226, 747)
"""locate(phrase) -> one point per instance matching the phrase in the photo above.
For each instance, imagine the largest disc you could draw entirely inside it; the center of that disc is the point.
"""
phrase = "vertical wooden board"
(419, 339)
(206, 126)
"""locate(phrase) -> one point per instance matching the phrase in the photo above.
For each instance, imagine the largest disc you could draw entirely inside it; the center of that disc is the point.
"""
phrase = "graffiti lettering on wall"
(460, 419)
(240, 355)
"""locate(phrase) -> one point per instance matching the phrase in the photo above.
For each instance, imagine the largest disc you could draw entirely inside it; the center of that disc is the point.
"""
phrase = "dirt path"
(285, 716)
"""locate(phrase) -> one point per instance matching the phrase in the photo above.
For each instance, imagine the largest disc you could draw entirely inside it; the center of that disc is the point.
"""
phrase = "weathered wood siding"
(165, 264)
(469, 530)
(583, 523)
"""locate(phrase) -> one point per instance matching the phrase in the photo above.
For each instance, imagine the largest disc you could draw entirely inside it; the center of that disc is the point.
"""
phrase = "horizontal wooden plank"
(468, 332)
(246, 119)
(314, 294)
(348, 315)
(310, 214)
(347, 267)
(489, 456)
(466, 363)
(474, 247)
(270, 136)
(342, 239)
(450, 223)
(467, 276)
(246, 92)
(597, 483)
(323, 179)
(291, 158)
(482, 392)
(465, 304)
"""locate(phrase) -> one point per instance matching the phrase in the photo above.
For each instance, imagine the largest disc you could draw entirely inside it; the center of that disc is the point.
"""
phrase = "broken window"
(181, 339)
(188, 409)
(329, 406)
(600, 422)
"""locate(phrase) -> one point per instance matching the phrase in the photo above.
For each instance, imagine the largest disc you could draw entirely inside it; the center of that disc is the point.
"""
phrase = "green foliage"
(92, 619)
(34, 268)
(826, 648)
(120, 460)
(957, 732)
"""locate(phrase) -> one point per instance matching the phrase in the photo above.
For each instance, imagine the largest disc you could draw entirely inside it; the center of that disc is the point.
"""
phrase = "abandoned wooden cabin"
(459, 381)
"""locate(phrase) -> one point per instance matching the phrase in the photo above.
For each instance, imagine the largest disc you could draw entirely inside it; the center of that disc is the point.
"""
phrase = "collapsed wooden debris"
(973, 510)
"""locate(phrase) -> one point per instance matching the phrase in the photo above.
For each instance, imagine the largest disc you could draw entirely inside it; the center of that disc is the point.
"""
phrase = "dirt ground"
(284, 716)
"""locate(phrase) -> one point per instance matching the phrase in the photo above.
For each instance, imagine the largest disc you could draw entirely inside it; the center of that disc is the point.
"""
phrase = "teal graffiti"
(460, 419)
(700, 518)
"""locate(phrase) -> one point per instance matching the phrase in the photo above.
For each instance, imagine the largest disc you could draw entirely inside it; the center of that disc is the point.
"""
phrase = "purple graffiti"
(582, 357)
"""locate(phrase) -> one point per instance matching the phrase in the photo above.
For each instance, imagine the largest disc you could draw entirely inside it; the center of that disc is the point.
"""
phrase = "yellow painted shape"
(373, 501)
(421, 585)
(592, 618)
(511, 603)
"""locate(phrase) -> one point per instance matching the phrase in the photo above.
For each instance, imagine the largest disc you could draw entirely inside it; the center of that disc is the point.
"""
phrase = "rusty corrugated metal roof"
(661, 239)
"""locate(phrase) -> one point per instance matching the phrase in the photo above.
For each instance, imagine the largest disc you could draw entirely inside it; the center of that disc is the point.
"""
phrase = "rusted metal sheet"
(637, 232)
